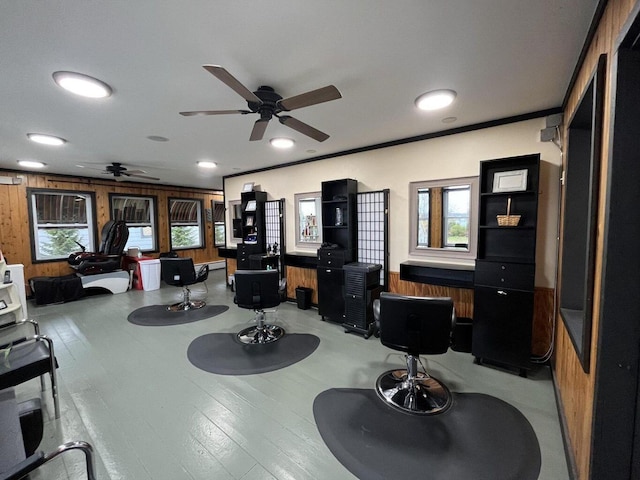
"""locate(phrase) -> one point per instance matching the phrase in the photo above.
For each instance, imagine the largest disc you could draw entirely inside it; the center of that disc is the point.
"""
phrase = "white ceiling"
(503, 57)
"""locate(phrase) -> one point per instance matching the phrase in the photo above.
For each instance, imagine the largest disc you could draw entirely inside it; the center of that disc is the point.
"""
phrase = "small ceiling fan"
(268, 104)
(120, 173)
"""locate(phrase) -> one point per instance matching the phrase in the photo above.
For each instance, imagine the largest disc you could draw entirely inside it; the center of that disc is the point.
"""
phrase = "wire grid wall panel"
(373, 230)
(274, 210)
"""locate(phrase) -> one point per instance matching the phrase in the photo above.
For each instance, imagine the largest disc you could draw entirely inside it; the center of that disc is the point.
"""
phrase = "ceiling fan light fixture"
(281, 142)
(435, 100)
(82, 85)
(31, 164)
(46, 139)
(207, 164)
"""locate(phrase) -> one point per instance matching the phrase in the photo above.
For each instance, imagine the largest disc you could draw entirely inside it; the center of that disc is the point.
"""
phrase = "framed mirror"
(308, 211)
(443, 217)
(581, 181)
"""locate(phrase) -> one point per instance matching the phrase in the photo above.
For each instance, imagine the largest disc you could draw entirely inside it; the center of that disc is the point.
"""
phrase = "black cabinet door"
(502, 322)
(331, 294)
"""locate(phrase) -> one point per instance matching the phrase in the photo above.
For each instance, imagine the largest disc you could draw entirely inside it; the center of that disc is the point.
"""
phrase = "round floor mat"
(159, 316)
(222, 353)
(479, 438)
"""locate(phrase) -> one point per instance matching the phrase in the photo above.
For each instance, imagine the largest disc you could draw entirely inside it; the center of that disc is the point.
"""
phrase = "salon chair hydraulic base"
(187, 303)
(412, 391)
(260, 333)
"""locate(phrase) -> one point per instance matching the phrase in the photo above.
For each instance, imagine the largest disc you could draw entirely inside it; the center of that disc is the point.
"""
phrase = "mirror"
(580, 215)
(308, 211)
(444, 217)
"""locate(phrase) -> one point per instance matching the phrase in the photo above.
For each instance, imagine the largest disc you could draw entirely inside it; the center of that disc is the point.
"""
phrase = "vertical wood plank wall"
(576, 388)
(15, 228)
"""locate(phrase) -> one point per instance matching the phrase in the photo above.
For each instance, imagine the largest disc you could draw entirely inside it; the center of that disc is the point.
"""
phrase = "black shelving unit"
(252, 228)
(505, 266)
(340, 228)
(339, 235)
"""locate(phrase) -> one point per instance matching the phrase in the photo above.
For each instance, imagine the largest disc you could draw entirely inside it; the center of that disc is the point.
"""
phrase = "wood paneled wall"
(575, 387)
(14, 219)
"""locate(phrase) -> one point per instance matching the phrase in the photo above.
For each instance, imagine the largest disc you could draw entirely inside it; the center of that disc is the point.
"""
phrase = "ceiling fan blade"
(225, 77)
(129, 174)
(213, 112)
(302, 127)
(324, 94)
(258, 129)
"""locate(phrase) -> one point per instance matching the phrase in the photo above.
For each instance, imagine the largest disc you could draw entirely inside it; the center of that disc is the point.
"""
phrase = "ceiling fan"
(120, 173)
(268, 104)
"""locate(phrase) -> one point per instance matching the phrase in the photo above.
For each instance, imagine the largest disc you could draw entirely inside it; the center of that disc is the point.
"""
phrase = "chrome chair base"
(184, 306)
(420, 394)
(260, 334)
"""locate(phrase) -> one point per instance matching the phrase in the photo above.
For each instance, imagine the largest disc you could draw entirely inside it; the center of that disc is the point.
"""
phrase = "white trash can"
(150, 273)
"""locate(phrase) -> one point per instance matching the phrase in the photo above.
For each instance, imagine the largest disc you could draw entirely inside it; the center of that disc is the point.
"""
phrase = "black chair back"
(178, 271)
(257, 289)
(416, 325)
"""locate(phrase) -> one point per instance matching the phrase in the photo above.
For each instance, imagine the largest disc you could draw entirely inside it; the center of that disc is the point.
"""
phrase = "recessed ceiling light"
(435, 99)
(83, 85)
(46, 139)
(281, 142)
(30, 164)
(207, 164)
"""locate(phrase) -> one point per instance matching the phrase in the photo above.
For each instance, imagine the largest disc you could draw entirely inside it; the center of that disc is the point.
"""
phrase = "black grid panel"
(373, 231)
(272, 220)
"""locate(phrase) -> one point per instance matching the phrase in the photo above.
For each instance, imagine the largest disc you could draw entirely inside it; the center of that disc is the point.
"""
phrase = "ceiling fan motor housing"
(269, 105)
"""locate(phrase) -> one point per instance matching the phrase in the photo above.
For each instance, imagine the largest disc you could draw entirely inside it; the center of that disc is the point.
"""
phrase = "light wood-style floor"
(131, 392)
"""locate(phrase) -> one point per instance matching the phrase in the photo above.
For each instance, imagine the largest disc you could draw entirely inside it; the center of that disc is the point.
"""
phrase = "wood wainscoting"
(543, 327)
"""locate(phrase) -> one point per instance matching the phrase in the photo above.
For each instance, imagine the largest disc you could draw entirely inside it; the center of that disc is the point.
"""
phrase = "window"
(443, 217)
(456, 203)
(186, 226)
(308, 219)
(218, 224)
(61, 223)
(140, 215)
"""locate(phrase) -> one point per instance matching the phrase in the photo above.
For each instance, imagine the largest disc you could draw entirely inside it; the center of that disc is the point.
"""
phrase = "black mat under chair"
(224, 354)
(479, 438)
(158, 315)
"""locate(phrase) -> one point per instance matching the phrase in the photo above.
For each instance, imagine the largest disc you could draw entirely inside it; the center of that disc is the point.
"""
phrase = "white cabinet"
(11, 304)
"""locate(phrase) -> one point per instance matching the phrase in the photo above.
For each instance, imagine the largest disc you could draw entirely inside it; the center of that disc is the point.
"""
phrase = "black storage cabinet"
(505, 266)
(331, 284)
(361, 288)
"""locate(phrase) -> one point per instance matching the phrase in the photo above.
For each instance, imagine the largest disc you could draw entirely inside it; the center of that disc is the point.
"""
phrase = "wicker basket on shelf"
(508, 220)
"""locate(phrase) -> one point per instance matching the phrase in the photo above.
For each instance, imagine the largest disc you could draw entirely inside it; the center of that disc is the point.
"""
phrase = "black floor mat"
(222, 353)
(479, 438)
(158, 315)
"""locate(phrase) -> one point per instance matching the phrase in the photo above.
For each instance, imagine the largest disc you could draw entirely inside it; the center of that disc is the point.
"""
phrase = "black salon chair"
(32, 462)
(28, 357)
(258, 290)
(181, 272)
(418, 326)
